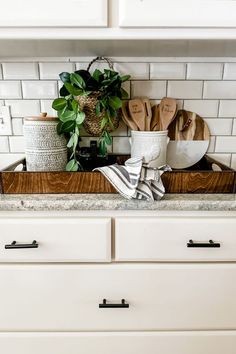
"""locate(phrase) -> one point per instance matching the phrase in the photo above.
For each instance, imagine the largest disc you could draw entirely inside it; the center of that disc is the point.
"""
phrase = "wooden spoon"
(148, 113)
(168, 109)
(126, 117)
(137, 113)
(155, 122)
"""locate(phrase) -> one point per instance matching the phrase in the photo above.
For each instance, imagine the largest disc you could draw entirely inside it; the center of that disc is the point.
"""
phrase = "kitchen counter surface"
(63, 202)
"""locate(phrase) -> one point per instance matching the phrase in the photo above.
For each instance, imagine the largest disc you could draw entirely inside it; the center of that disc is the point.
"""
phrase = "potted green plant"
(92, 101)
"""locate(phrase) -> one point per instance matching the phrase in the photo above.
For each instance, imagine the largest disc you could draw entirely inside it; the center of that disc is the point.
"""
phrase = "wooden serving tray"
(197, 179)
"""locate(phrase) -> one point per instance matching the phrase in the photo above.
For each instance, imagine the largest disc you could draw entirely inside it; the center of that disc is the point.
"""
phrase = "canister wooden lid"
(42, 117)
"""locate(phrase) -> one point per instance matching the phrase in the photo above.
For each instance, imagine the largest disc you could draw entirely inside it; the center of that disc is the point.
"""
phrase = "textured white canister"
(45, 150)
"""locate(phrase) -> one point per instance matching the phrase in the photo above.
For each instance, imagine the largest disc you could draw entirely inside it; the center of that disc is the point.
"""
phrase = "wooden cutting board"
(188, 126)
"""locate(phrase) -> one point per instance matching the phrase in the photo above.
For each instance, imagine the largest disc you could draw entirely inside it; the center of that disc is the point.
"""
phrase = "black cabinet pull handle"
(15, 245)
(210, 244)
(106, 305)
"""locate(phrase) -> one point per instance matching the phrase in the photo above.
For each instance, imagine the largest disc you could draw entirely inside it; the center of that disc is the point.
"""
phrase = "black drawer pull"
(15, 245)
(210, 244)
(106, 305)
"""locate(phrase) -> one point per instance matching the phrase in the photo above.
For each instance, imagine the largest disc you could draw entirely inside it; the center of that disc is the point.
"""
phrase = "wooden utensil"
(126, 117)
(137, 113)
(155, 122)
(188, 126)
(148, 113)
(168, 109)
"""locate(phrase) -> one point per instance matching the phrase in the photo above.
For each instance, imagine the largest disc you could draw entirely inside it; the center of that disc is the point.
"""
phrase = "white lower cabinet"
(160, 297)
(119, 343)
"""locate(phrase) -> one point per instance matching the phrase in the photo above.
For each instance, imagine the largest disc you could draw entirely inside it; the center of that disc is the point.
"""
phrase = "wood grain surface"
(188, 126)
(199, 179)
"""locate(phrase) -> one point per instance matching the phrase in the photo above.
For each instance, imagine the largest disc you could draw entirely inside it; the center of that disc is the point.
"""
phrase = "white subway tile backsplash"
(17, 144)
(220, 89)
(234, 127)
(204, 108)
(219, 126)
(39, 89)
(52, 70)
(23, 108)
(126, 87)
(167, 71)
(222, 158)
(17, 126)
(185, 89)
(121, 146)
(138, 71)
(4, 145)
(227, 108)
(151, 89)
(225, 144)
(46, 106)
(26, 71)
(198, 85)
(204, 71)
(10, 89)
(230, 71)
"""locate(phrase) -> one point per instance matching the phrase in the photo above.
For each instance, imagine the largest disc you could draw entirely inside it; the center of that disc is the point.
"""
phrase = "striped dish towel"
(135, 180)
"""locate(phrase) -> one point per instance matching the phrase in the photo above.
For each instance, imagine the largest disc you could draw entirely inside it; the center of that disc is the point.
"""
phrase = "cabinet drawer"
(117, 343)
(160, 297)
(55, 240)
(175, 239)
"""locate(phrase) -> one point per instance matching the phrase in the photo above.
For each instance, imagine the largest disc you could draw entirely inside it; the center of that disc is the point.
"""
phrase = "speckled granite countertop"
(52, 202)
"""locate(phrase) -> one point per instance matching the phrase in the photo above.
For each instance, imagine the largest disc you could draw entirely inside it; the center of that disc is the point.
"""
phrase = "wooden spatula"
(126, 117)
(137, 113)
(148, 113)
(168, 109)
(155, 122)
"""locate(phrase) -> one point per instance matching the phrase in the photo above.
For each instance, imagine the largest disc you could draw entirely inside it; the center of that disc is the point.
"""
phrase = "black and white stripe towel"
(136, 180)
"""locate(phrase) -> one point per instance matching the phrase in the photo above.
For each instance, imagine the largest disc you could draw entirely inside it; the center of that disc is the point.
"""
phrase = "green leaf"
(72, 90)
(68, 126)
(71, 141)
(125, 78)
(65, 77)
(103, 123)
(59, 104)
(115, 102)
(72, 166)
(98, 108)
(77, 80)
(75, 105)
(124, 94)
(80, 117)
(59, 130)
(63, 91)
(67, 115)
(96, 75)
(102, 147)
(107, 138)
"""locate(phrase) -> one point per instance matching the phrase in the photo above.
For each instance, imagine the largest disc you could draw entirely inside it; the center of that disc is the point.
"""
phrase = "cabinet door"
(177, 13)
(53, 13)
(119, 342)
(69, 298)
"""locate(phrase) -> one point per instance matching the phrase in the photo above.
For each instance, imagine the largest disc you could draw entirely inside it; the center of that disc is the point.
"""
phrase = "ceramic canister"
(45, 149)
(151, 146)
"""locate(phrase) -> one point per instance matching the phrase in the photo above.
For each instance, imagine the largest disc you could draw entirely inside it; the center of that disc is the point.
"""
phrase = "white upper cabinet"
(177, 13)
(53, 13)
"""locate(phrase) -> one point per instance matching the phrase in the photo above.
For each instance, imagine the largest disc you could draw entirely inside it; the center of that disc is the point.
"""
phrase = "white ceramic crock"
(151, 146)
(45, 150)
